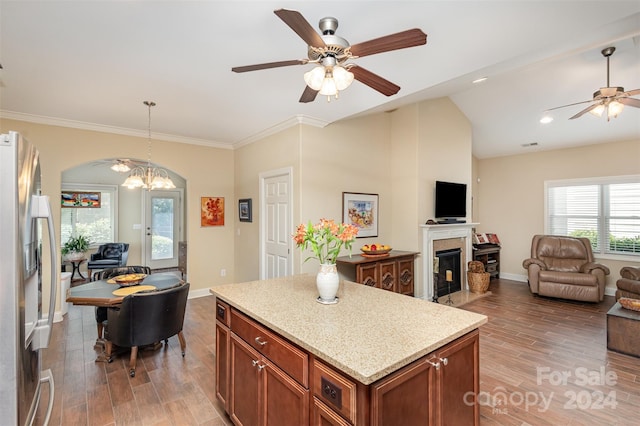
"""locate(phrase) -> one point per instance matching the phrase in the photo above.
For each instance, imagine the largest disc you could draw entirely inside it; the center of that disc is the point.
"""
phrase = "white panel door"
(276, 260)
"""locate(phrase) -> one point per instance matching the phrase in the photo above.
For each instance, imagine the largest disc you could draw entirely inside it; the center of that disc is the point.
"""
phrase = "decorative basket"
(477, 278)
(631, 304)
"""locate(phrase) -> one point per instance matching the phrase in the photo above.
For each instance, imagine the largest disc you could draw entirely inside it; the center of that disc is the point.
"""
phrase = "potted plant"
(326, 238)
(75, 247)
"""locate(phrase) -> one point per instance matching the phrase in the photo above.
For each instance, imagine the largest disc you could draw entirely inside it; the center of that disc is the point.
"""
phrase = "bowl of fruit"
(375, 249)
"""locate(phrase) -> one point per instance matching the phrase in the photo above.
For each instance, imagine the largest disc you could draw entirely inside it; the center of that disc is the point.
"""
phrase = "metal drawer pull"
(261, 366)
(254, 362)
(435, 364)
(260, 342)
(445, 361)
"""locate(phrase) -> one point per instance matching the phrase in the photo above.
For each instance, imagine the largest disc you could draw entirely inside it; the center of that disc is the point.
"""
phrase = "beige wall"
(271, 153)
(348, 156)
(208, 172)
(511, 191)
(397, 155)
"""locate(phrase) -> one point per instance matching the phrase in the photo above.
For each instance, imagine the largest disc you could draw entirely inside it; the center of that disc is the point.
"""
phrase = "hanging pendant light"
(150, 177)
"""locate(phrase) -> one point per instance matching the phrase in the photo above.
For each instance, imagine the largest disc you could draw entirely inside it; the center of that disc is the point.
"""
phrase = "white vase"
(327, 282)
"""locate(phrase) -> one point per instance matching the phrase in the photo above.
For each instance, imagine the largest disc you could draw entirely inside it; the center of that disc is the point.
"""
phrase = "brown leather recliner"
(564, 267)
(629, 283)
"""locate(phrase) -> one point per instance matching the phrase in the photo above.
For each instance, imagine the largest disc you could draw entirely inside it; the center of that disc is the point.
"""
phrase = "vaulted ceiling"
(91, 64)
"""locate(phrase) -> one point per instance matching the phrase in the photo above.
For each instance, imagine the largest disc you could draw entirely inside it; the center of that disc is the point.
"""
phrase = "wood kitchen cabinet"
(261, 393)
(254, 389)
(394, 272)
(271, 381)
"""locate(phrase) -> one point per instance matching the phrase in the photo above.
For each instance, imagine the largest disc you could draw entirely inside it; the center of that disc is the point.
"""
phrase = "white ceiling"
(92, 63)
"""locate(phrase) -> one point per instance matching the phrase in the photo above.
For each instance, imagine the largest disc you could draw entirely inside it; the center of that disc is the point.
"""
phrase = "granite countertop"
(368, 334)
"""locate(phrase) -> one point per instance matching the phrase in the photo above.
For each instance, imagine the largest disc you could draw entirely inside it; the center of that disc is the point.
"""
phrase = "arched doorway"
(127, 215)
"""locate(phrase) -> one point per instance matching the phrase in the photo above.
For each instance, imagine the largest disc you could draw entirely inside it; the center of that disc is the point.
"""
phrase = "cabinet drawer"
(282, 353)
(222, 312)
(334, 389)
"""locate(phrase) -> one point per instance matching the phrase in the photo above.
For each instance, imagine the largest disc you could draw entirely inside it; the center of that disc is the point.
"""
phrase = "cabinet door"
(324, 416)
(406, 397)
(459, 381)
(222, 364)
(367, 274)
(388, 275)
(285, 401)
(244, 391)
(405, 276)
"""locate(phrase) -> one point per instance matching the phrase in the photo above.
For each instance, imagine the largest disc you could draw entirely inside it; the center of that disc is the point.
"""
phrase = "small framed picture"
(361, 210)
(75, 199)
(211, 211)
(244, 209)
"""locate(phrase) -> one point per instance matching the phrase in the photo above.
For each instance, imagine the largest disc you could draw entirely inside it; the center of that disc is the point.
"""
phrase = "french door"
(163, 228)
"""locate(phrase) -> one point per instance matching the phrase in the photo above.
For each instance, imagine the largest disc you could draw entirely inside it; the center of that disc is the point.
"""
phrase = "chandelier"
(149, 177)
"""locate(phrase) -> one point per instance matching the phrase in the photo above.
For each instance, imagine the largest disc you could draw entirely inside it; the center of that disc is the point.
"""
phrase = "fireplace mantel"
(431, 233)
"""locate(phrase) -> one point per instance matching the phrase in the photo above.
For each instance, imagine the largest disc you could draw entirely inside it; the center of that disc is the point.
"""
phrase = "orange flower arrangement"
(326, 238)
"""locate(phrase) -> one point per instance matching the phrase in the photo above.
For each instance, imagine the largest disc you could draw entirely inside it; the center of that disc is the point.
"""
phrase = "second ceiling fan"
(331, 53)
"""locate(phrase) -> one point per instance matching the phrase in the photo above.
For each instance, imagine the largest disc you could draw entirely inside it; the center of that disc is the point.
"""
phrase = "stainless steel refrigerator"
(24, 331)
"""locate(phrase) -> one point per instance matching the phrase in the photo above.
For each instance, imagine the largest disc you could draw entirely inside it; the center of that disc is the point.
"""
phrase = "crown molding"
(52, 121)
(291, 122)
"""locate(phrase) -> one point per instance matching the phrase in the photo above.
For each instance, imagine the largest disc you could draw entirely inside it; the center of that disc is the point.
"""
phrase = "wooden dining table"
(100, 293)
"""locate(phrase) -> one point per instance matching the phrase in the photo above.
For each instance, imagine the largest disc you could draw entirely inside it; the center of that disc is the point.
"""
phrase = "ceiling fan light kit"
(331, 53)
(609, 99)
(120, 166)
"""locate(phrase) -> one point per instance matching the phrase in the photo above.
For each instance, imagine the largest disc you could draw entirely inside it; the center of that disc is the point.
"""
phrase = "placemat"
(125, 291)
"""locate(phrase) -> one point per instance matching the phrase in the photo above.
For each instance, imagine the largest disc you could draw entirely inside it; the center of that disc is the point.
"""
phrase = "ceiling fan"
(611, 99)
(120, 165)
(331, 53)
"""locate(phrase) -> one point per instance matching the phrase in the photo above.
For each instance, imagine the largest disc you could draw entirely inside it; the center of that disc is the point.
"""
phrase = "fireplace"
(448, 260)
(436, 238)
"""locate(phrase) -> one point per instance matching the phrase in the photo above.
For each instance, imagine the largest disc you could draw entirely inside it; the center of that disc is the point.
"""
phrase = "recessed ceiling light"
(546, 119)
(479, 80)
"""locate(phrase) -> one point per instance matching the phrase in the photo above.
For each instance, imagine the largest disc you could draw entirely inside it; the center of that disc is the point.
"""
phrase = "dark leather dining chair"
(144, 318)
(105, 274)
(110, 255)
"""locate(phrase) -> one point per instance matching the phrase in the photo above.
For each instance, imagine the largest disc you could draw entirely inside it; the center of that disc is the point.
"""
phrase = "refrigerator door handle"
(40, 208)
(47, 377)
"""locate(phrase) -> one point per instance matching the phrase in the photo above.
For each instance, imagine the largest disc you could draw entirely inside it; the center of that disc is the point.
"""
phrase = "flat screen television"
(451, 202)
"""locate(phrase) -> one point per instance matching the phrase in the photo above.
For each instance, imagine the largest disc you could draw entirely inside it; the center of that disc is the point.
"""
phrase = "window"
(605, 210)
(97, 224)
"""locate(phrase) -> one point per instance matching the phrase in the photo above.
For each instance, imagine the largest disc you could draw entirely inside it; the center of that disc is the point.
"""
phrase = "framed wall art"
(211, 211)
(75, 199)
(361, 210)
(244, 209)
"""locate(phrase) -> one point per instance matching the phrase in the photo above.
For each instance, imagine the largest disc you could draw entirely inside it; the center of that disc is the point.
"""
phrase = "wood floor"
(543, 362)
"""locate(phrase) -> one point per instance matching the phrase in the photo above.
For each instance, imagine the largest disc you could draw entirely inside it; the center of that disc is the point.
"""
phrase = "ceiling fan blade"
(267, 65)
(309, 95)
(630, 101)
(401, 40)
(300, 26)
(374, 81)
(584, 111)
(632, 92)
(568, 105)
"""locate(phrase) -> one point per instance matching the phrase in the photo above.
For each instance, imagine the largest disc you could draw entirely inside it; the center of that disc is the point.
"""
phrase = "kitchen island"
(375, 357)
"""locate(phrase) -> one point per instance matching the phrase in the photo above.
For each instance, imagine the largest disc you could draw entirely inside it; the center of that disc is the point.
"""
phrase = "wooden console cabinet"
(489, 255)
(394, 272)
(264, 379)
